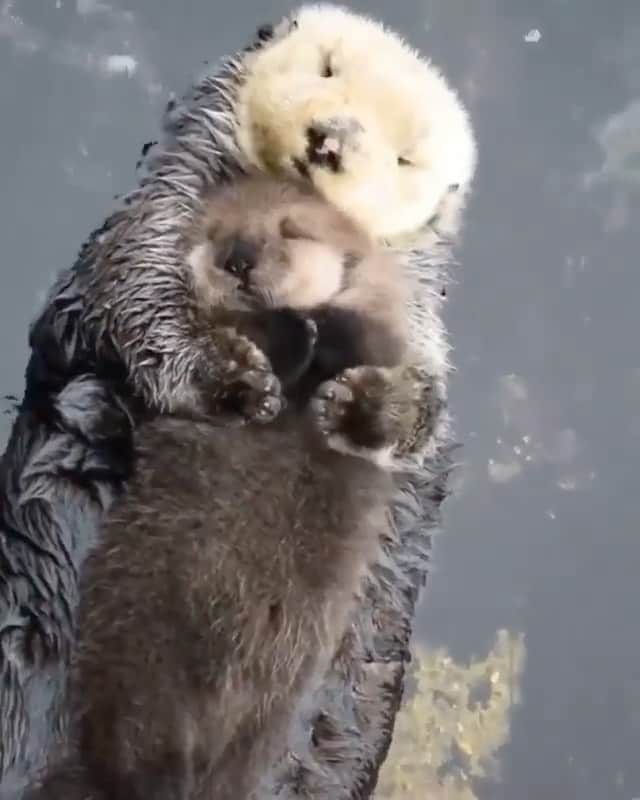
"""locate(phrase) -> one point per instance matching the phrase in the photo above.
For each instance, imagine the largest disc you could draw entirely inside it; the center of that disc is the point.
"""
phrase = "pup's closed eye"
(290, 229)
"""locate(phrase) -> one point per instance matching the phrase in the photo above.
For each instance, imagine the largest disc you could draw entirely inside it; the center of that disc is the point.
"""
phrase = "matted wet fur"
(223, 582)
(69, 453)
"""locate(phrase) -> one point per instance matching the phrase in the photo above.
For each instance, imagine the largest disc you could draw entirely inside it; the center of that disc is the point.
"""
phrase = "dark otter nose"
(239, 256)
(326, 141)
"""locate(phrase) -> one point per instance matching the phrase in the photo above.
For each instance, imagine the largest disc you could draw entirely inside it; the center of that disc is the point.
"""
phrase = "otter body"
(218, 594)
(119, 334)
(388, 143)
(261, 245)
(224, 580)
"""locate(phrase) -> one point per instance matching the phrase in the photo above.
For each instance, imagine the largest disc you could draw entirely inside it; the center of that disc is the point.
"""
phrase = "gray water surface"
(542, 536)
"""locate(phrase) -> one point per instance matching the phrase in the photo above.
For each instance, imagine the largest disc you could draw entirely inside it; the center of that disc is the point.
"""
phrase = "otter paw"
(358, 412)
(246, 383)
(255, 394)
(330, 406)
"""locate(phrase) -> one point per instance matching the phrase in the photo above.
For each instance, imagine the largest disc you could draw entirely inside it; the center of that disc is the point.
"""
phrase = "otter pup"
(223, 581)
(312, 258)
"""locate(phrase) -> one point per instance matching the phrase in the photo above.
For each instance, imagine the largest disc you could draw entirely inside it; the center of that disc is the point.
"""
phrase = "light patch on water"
(119, 64)
(13, 27)
(92, 55)
(503, 472)
(86, 7)
(619, 140)
(576, 482)
(533, 36)
(532, 439)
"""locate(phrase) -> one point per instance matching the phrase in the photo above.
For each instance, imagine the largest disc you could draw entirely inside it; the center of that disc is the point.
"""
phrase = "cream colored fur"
(408, 137)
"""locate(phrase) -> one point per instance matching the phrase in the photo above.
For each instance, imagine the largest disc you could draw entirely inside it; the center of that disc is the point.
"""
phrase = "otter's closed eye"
(289, 229)
(404, 162)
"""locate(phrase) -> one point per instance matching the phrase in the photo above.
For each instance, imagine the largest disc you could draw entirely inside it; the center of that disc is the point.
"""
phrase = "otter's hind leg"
(382, 414)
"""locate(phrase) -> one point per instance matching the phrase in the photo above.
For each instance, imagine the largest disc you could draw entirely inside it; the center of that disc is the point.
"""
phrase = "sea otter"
(94, 352)
(403, 161)
(223, 582)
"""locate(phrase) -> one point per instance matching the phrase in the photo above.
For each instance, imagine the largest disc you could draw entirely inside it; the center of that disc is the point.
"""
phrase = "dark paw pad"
(255, 394)
(359, 407)
(330, 406)
(245, 384)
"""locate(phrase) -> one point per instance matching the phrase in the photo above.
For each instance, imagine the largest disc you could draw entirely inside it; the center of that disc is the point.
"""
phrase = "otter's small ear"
(265, 32)
(268, 33)
(290, 229)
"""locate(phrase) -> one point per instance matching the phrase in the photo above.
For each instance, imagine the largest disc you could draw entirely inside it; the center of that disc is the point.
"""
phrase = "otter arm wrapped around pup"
(69, 452)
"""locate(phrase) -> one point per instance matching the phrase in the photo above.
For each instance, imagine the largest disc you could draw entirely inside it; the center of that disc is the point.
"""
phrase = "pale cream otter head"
(267, 243)
(343, 101)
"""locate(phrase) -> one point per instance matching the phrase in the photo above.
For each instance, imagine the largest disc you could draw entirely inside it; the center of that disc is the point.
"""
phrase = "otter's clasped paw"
(246, 384)
(330, 406)
(358, 412)
(255, 394)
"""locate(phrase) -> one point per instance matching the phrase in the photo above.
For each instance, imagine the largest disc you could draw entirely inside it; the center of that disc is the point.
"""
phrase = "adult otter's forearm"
(126, 314)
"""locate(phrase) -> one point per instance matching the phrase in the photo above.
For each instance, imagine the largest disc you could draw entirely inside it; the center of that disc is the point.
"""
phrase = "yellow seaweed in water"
(449, 731)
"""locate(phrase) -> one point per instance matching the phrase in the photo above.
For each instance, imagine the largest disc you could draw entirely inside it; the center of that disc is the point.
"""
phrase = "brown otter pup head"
(265, 243)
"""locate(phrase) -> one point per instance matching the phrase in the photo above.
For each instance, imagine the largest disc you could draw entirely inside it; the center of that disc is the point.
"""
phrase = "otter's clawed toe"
(360, 412)
(330, 406)
(247, 385)
(255, 394)
(353, 407)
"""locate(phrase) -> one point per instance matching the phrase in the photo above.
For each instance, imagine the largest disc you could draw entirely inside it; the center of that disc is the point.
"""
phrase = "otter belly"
(222, 584)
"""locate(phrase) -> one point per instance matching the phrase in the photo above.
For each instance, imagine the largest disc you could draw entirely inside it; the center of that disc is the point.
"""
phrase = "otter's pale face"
(347, 104)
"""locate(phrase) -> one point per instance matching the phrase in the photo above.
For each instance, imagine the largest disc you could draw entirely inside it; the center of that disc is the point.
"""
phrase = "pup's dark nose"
(239, 256)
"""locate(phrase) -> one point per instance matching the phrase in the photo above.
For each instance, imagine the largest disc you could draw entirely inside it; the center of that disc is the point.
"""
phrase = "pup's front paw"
(246, 383)
(330, 406)
(360, 412)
